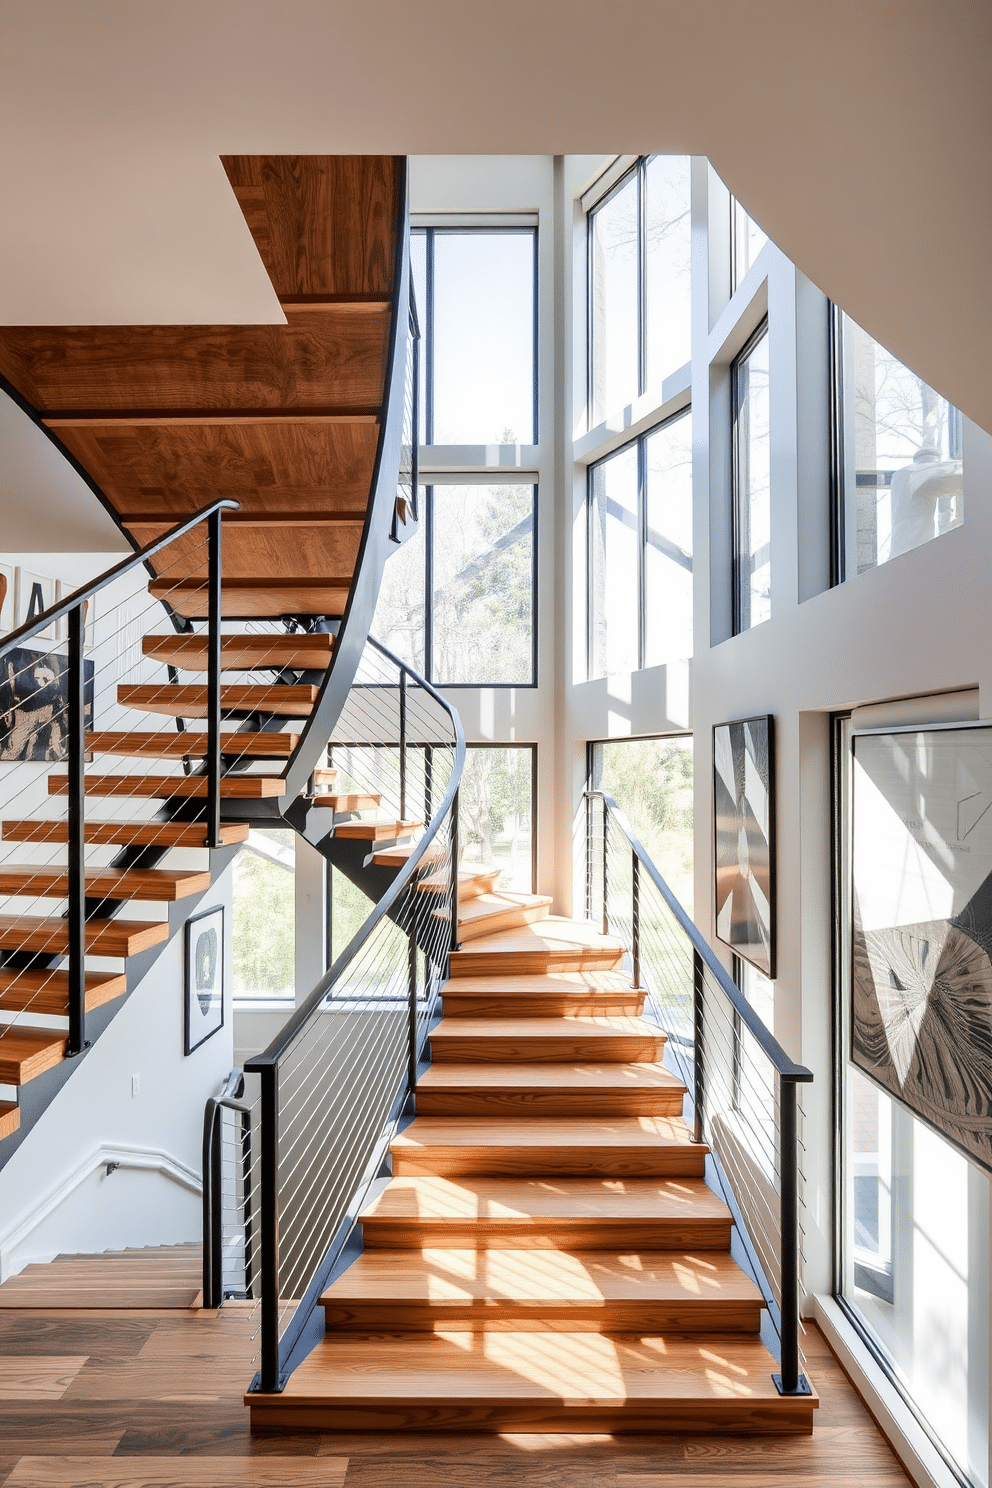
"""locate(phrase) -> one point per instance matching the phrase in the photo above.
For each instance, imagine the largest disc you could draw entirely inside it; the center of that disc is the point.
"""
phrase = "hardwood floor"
(142, 1398)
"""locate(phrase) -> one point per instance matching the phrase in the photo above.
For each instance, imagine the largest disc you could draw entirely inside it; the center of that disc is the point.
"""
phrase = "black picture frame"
(34, 705)
(744, 869)
(203, 977)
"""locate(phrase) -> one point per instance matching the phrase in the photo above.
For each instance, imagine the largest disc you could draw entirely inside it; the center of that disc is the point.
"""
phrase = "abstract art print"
(204, 989)
(744, 826)
(34, 704)
(921, 982)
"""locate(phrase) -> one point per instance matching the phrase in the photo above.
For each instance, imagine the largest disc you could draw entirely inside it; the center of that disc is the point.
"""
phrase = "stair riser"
(507, 919)
(572, 1234)
(780, 1418)
(527, 1102)
(550, 1162)
(530, 963)
(475, 1050)
(534, 1005)
(400, 1316)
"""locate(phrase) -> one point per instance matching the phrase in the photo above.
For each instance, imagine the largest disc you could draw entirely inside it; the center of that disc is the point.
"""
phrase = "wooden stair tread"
(578, 982)
(262, 597)
(346, 801)
(26, 1053)
(512, 1027)
(297, 650)
(480, 1040)
(535, 1089)
(648, 1132)
(377, 831)
(103, 937)
(485, 905)
(555, 994)
(471, 883)
(47, 991)
(490, 1199)
(554, 943)
(182, 700)
(514, 1076)
(44, 881)
(125, 834)
(10, 1119)
(395, 857)
(164, 787)
(192, 743)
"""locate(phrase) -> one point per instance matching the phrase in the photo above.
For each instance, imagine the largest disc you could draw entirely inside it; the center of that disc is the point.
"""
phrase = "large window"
(457, 600)
(496, 802)
(651, 781)
(264, 904)
(640, 552)
(898, 472)
(477, 305)
(639, 282)
(752, 593)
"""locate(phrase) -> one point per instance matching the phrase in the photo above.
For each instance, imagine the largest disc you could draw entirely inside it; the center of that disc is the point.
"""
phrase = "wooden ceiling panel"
(324, 225)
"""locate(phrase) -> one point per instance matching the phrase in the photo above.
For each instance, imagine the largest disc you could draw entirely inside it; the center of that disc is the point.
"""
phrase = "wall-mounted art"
(921, 901)
(744, 827)
(34, 704)
(204, 978)
(35, 594)
(8, 598)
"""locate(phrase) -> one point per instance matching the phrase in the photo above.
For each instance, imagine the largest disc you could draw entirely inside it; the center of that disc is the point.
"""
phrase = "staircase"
(547, 1255)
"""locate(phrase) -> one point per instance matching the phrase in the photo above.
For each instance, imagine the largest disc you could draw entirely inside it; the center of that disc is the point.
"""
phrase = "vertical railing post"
(215, 1198)
(246, 1201)
(269, 1225)
(214, 571)
(76, 895)
(790, 1381)
(635, 916)
(606, 877)
(414, 1032)
(428, 783)
(453, 887)
(698, 1046)
(402, 743)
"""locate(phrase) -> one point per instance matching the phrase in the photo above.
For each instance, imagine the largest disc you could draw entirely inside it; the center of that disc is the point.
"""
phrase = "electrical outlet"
(135, 1085)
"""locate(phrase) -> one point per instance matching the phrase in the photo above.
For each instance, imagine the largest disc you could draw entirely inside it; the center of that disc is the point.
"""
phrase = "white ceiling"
(857, 132)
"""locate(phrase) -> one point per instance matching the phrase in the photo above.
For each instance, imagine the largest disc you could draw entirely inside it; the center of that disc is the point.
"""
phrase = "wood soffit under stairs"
(547, 1256)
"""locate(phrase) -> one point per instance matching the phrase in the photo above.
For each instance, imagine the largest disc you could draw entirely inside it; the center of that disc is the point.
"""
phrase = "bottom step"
(527, 1382)
(10, 1119)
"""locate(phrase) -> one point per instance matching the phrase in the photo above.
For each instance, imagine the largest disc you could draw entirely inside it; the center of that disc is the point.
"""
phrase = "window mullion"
(429, 341)
(429, 582)
(642, 259)
(642, 529)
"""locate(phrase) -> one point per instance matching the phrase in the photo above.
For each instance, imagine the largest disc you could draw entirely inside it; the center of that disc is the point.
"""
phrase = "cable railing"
(324, 1098)
(743, 1087)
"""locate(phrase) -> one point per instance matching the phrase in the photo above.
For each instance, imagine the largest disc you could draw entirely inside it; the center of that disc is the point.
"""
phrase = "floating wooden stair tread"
(164, 787)
(514, 1090)
(555, 995)
(480, 1040)
(526, 1213)
(10, 1119)
(374, 831)
(485, 914)
(47, 991)
(43, 881)
(103, 937)
(395, 857)
(324, 777)
(178, 700)
(192, 743)
(242, 653)
(419, 1291)
(553, 944)
(471, 883)
(619, 1146)
(126, 834)
(263, 597)
(26, 1053)
(343, 801)
(466, 1381)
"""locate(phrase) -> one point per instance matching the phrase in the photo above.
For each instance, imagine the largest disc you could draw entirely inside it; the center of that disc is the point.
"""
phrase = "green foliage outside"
(494, 813)
(264, 927)
(651, 781)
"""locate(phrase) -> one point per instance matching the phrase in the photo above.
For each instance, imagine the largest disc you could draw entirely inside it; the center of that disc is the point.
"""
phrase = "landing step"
(10, 1119)
(165, 787)
(50, 937)
(486, 1213)
(26, 1053)
(472, 882)
(262, 597)
(374, 831)
(554, 944)
(487, 914)
(243, 652)
(192, 743)
(411, 1291)
(555, 995)
(479, 1040)
(44, 882)
(126, 834)
(395, 857)
(182, 701)
(618, 1146)
(47, 991)
(343, 801)
(515, 1090)
(577, 1382)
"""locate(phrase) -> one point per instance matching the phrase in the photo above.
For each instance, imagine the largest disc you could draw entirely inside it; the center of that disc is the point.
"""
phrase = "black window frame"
(430, 234)
(740, 517)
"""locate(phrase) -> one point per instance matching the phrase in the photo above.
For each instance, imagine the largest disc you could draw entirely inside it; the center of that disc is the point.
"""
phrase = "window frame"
(737, 502)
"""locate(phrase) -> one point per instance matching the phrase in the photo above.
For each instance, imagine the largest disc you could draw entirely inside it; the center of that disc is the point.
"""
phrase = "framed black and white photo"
(744, 833)
(34, 704)
(204, 979)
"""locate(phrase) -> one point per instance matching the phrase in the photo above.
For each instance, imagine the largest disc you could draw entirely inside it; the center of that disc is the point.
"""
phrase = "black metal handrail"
(789, 1074)
(213, 1196)
(73, 609)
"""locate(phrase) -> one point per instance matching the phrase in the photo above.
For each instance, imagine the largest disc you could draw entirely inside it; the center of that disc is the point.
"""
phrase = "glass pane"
(668, 543)
(264, 903)
(613, 292)
(752, 540)
(483, 337)
(399, 611)
(748, 241)
(651, 781)
(903, 481)
(495, 814)
(418, 274)
(614, 556)
(667, 263)
(350, 908)
(483, 584)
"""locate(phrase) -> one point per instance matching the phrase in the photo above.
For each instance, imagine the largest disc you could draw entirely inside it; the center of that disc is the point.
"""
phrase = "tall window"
(264, 904)
(477, 305)
(640, 552)
(746, 241)
(496, 802)
(651, 781)
(898, 470)
(458, 599)
(751, 485)
(639, 282)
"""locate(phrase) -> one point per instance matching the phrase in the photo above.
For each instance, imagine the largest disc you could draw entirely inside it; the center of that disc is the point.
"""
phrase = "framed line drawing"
(744, 838)
(203, 990)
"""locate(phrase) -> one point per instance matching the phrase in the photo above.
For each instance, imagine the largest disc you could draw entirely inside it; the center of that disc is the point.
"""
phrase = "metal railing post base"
(803, 1386)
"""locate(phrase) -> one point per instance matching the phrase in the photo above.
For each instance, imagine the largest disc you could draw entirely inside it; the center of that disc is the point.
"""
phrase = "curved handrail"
(785, 1067)
(79, 596)
(284, 1039)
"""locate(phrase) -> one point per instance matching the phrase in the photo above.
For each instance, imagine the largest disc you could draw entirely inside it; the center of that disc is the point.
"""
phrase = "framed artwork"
(8, 598)
(921, 934)
(34, 704)
(35, 594)
(744, 831)
(204, 977)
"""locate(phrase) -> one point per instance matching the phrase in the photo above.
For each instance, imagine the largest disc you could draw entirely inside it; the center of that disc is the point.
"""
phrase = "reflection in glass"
(667, 257)
(614, 296)
(495, 813)
(747, 241)
(901, 455)
(668, 542)
(752, 487)
(614, 539)
(651, 782)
